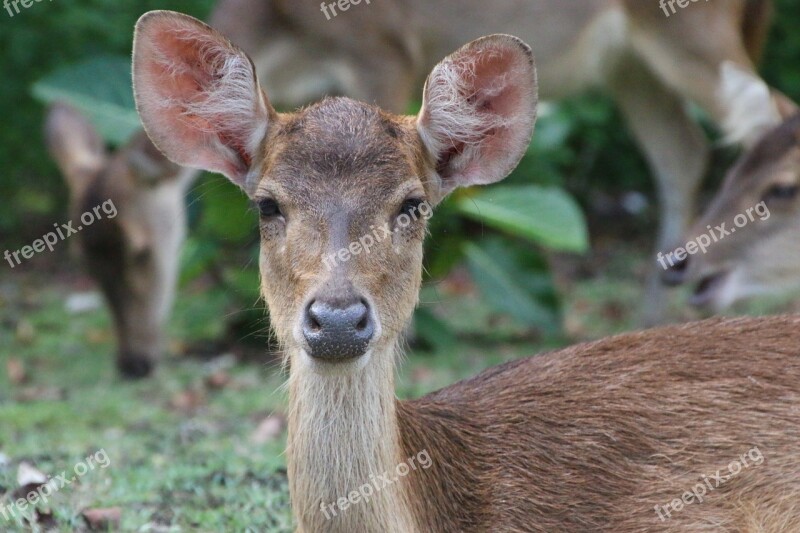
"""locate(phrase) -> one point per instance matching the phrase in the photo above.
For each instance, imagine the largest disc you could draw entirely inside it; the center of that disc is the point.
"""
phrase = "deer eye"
(411, 207)
(269, 208)
(781, 192)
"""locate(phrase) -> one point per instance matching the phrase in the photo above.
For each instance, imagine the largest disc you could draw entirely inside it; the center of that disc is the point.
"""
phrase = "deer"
(758, 258)
(651, 59)
(134, 256)
(595, 437)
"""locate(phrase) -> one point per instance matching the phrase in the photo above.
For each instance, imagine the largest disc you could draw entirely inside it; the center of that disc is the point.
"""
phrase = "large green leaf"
(101, 89)
(546, 215)
(512, 288)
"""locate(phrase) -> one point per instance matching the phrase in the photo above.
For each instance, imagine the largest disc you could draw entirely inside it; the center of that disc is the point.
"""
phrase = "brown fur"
(591, 438)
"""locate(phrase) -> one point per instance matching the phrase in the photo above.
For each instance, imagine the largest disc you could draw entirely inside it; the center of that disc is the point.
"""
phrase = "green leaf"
(508, 288)
(546, 215)
(433, 331)
(101, 89)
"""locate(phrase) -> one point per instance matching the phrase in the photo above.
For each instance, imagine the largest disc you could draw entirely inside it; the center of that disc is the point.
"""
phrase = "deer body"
(594, 437)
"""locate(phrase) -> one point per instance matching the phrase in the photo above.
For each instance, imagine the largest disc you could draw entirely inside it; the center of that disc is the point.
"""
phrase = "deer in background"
(134, 256)
(762, 257)
(592, 438)
(651, 65)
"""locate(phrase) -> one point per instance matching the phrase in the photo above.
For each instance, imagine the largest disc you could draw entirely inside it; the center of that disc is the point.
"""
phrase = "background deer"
(134, 256)
(761, 257)
(651, 65)
(595, 437)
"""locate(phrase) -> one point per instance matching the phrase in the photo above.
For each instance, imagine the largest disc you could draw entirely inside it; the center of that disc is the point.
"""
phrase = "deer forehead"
(341, 153)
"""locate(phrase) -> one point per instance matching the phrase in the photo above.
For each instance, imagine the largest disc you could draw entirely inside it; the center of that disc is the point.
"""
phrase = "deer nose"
(338, 332)
(675, 274)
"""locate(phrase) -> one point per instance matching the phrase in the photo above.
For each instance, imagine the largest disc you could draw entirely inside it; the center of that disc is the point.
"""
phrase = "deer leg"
(677, 152)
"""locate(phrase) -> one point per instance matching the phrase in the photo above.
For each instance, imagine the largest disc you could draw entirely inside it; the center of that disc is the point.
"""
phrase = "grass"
(182, 453)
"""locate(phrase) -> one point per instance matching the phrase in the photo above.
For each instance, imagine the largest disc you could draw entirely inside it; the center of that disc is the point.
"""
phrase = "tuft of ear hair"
(198, 96)
(479, 111)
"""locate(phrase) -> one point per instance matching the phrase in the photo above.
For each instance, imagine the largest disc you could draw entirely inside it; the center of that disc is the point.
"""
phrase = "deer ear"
(753, 108)
(198, 96)
(75, 145)
(478, 111)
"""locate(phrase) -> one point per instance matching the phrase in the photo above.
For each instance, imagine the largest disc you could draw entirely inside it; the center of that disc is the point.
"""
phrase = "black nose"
(675, 274)
(338, 332)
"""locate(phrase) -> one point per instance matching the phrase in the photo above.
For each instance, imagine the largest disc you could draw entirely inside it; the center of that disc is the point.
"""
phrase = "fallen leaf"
(103, 519)
(268, 429)
(40, 394)
(98, 336)
(219, 379)
(188, 400)
(422, 374)
(83, 302)
(25, 332)
(27, 474)
(15, 369)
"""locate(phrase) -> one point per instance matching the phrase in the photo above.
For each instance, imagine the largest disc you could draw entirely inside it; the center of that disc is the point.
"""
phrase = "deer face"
(760, 256)
(344, 202)
(344, 189)
(132, 251)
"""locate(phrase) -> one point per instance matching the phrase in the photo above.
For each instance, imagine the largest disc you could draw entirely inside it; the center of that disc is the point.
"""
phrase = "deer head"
(134, 254)
(343, 188)
(755, 251)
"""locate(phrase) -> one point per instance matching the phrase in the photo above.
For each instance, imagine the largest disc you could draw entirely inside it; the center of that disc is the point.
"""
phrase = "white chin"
(332, 368)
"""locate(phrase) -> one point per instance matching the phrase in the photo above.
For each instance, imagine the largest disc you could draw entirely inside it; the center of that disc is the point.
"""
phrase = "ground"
(200, 446)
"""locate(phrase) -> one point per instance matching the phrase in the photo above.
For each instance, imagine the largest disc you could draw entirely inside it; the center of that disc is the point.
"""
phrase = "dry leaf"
(188, 400)
(103, 519)
(83, 302)
(218, 379)
(15, 369)
(269, 429)
(27, 474)
(40, 394)
(25, 332)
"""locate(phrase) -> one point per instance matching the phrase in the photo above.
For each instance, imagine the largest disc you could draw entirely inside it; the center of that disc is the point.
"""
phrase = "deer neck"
(343, 435)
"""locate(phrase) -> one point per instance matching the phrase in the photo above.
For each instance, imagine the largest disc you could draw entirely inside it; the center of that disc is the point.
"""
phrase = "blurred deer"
(134, 256)
(761, 257)
(650, 64)
(597, 437)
